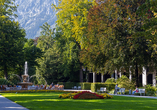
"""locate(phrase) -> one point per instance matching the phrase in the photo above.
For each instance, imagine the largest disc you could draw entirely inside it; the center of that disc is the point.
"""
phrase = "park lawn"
(50, 101)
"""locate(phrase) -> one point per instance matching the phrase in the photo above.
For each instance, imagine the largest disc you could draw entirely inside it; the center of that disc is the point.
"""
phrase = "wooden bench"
(141, 91)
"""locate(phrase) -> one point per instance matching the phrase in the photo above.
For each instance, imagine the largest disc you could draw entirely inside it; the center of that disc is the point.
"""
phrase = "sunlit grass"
(50, 101)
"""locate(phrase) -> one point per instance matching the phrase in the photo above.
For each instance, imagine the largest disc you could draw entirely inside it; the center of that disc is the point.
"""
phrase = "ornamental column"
(115, 74)
(130, 76)
(154, 78)
(93, 77)
(144, 77)
(120, 75)
(102, 78)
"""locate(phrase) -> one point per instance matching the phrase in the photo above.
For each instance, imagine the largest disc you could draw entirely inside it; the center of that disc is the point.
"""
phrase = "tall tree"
(71, 18)
(49, 63)
(31, 53)
(12, 36)
(116, 32)
(11, 43)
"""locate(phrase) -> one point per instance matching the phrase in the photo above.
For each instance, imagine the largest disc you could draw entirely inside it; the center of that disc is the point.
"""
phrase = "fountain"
(25, 78)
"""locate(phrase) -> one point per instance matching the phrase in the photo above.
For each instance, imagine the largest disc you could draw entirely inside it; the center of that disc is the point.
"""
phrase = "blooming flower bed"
(106, 96)
(85, 95)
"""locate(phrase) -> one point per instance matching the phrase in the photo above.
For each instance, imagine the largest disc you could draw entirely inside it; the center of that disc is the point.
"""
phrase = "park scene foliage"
(90, 36)
(95, 35)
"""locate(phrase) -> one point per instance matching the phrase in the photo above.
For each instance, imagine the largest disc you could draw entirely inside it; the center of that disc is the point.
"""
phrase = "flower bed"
(106, 96)
(68, 95)
(88, 95)
(85, 95)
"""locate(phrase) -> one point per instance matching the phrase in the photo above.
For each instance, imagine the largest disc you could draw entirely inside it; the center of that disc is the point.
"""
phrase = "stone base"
(25, 84)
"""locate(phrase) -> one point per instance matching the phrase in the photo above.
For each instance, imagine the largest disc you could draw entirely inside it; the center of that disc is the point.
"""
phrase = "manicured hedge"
(96, 86)
(86, 86)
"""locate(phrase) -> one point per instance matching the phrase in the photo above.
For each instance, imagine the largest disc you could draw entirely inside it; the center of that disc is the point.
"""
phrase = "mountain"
(34, 13)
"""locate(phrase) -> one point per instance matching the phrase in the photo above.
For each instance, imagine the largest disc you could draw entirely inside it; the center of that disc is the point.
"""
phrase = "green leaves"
(11, 43)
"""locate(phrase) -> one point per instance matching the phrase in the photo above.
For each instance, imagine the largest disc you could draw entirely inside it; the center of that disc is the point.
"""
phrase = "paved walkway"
(136, 96)
(6, 104)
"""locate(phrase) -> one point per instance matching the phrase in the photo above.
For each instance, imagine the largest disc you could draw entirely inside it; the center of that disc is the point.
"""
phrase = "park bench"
(122, 90)
(141, 91)
(79, 87)
(31, 87)
(14, 88)
(102, 89)
(75, 87)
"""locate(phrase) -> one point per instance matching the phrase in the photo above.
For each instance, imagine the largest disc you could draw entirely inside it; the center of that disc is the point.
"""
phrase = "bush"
(150, 90)
(124, 82)
(5, 82)
(110, 80)
(111, 92)
(126, 92)
(96, 86)
(86, 86)
(137, 94)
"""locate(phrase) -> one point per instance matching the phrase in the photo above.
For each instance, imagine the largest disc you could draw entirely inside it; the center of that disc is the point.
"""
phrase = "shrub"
(126, 92)
(5, 82)
(124, 82)
(111, 92)
(86, 86)
(150, 90)
(110, 80)
(96, 86)
(137, 94)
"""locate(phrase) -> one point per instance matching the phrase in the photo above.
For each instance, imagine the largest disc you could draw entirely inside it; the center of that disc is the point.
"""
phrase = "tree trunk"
(136, 75)
(5, 72)
(81, 73)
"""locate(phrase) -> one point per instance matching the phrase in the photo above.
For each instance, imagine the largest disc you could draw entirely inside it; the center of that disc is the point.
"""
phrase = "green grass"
(50, 101)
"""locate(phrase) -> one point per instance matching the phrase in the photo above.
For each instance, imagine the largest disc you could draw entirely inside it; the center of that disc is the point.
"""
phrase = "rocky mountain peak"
(34, 13)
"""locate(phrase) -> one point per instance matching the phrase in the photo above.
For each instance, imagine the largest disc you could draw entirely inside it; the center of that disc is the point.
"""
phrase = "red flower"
(90, 95)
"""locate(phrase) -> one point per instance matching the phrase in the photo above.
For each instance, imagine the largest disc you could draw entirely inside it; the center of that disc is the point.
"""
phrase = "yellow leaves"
(72, 15)
(3, 17)
(153, 32)
(155, 14)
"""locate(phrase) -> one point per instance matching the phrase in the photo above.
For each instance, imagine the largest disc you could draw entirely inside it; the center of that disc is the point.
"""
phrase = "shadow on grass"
(49, 101)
